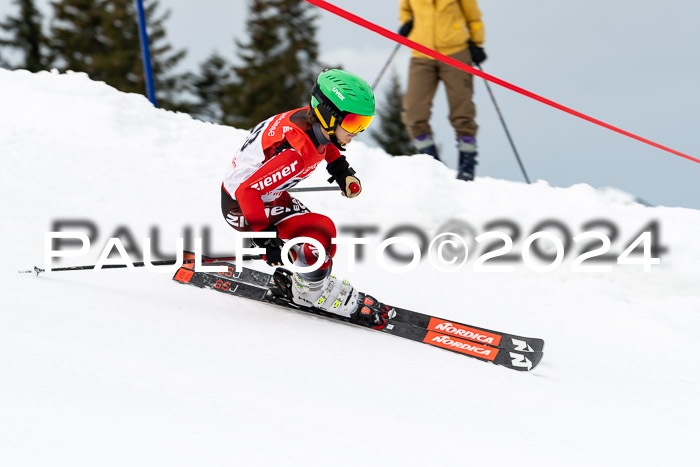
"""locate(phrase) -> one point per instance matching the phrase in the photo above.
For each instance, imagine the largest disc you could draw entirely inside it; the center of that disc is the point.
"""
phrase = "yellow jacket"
(443, 25)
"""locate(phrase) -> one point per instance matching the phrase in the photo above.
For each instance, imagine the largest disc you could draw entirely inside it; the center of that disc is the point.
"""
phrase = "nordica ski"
(481, 335)
(258, 286)
(433, 323)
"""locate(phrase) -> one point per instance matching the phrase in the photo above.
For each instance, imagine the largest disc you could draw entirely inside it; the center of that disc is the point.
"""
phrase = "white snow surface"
(121, 368)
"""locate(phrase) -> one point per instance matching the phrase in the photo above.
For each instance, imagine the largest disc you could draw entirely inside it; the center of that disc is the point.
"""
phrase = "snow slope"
(117, 368)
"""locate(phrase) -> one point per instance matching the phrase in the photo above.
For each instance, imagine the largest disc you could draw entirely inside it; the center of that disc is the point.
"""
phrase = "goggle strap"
(320, 118)
(323, 100)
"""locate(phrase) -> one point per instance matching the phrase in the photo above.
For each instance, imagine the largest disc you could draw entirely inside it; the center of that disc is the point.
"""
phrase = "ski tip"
(536, 358)
(519, 361)
(536, 344)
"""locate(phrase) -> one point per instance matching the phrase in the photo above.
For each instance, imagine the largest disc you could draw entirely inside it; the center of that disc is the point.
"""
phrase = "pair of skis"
(507, 350)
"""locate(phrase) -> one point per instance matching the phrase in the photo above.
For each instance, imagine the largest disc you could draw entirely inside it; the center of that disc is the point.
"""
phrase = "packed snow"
(119, 367)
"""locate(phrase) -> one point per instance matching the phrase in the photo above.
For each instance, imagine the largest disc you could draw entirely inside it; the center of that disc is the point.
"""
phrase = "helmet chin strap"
(336, 143)
(321, 139)
(332, 138)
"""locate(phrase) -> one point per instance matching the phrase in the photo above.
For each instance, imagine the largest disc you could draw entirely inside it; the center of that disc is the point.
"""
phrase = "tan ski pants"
(423, 77)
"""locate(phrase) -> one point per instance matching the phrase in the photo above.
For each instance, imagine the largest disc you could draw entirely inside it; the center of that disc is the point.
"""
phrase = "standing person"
(278, 154)
(453, 28)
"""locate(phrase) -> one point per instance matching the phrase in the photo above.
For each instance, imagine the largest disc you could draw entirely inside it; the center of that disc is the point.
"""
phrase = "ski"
(481, 335)
(432, 323)
(255, 285)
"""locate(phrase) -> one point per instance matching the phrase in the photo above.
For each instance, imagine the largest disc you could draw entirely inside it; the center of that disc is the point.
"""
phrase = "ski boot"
(424, 144)
(332, 296)
(467, 158)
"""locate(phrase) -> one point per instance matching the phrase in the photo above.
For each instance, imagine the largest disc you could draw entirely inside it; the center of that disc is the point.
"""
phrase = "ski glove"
(273, 246)
(344, 176)
(478, 53)
(405, 28)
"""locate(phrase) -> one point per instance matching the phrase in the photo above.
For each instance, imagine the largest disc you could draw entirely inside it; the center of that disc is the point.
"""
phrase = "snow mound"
(121, 368)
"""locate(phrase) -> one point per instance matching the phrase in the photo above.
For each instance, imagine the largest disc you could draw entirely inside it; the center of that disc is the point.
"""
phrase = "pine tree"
(101, 38)
(212, 88)
(27, 36)
(279, 64)
(392, 135)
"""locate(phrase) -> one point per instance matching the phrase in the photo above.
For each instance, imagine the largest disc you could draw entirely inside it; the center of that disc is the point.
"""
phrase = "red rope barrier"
(450, 61)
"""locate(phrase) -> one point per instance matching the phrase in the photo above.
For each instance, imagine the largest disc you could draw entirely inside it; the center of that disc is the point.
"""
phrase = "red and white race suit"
(277, 155)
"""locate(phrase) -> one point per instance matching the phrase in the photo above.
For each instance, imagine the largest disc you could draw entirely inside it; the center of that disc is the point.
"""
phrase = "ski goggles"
(353, 123)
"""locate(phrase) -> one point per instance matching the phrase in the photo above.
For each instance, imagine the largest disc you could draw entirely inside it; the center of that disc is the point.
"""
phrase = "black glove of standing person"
(405, 28)
(478, 54)
(273, 246)
(344, 176)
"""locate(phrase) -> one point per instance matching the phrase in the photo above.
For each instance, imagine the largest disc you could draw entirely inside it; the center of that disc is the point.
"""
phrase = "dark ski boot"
(424, 144)
(467, 158)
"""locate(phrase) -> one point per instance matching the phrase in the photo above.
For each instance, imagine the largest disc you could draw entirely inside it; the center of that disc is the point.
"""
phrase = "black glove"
(343, 175)
(405, 28)
(478, 54)
(273, 246)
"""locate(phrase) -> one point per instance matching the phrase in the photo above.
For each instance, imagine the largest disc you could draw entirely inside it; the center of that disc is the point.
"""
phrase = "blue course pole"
(146, 55)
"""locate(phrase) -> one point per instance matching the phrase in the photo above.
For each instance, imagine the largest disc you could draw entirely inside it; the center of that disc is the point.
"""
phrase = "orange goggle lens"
(353, 123)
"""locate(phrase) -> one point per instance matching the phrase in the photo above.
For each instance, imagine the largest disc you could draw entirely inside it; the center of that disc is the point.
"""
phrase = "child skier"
(278, 154)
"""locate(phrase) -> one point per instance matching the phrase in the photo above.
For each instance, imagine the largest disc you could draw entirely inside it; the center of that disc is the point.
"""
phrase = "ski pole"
(140, 264)
(314, 188)
(503, 122)
(386, 65)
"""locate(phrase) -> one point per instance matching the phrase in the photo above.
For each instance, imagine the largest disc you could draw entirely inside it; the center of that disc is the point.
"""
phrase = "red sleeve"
(332, 153)
(275, 172)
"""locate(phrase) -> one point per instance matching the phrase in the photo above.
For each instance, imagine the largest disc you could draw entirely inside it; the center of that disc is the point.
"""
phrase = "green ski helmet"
(342, 98)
